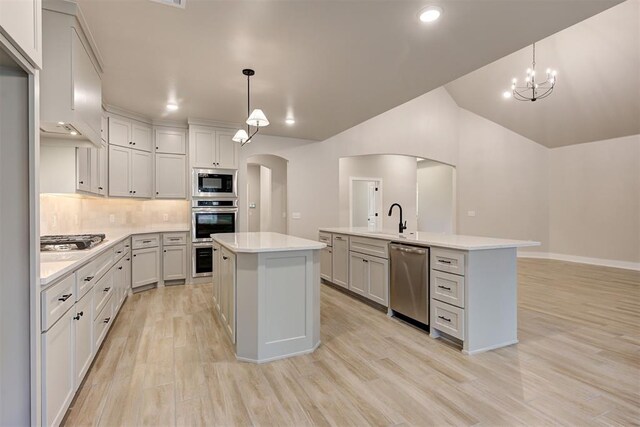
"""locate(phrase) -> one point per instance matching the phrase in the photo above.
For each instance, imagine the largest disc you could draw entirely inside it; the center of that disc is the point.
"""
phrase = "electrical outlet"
(471, 213)
(112, 218)
(165, 217)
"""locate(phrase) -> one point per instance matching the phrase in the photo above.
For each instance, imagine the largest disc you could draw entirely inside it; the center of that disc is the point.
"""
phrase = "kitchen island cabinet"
(269, 294)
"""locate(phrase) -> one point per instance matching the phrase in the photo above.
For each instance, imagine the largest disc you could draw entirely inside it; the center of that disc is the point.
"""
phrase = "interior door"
(119, 178)
(141, 183)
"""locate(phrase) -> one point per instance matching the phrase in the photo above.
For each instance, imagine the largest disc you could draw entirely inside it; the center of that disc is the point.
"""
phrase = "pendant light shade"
(257, 119)
(241, 136)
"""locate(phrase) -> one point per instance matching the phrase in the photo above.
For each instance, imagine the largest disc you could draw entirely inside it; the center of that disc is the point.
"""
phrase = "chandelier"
(533, 89)
(256, 119)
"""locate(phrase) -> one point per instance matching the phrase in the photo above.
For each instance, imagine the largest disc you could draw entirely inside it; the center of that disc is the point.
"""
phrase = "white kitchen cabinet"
(171, 176)
(369, 277)
(97, 170)
(171, 141)
(83, 166)
(226, 151)
(217, 274)
(340, 260)
(21, 21)
(104, 129)
(212, 148)
(57, 369)
(228, 293)
(141, 136)
(119, 132)
(145, 267)
(119, 171)
(326, 263)
(83, 339)
(174, 262)
(141, 174)
(103, 169)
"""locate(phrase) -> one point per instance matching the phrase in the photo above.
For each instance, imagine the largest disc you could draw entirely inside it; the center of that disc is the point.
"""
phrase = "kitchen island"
(267, 293)
(468, 293)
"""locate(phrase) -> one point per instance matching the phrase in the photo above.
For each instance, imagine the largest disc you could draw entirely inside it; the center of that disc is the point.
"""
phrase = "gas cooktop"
(70, 242)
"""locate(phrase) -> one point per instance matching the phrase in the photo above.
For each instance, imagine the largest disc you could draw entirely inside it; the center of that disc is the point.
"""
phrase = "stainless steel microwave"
(219, 183)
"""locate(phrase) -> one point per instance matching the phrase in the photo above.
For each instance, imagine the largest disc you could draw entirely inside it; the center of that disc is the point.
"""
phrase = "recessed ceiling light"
(60, 123)
(73, 132)
(172, 107)
(290, 121)
(506, 94)
(430, 14)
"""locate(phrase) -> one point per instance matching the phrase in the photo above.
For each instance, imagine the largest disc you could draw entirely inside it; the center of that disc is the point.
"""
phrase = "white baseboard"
(627, 265)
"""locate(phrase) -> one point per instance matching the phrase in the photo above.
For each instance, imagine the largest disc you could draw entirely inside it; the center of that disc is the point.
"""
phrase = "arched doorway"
(267, 193)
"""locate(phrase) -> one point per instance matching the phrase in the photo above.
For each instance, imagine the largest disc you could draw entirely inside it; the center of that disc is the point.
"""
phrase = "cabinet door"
(203, 148)
(226, 151)
(83, 166)
(358, 273)
(171, 176)
(94, 170)
(341, 261)
(216, 277)
(120, 132)
(21, 21)
(103, 171)
(174, 263)
(83, 341)
(119, 178)
(87, 87)
(141, 137)
(141, 174)
(229, 294)
(378, 283)
(58, 372)
(145, 267)
(171, 141)
(127, 276)
(326, 263)
(104, 129)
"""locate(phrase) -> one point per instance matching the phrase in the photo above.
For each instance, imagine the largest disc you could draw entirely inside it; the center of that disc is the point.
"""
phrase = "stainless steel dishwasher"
(409, 293)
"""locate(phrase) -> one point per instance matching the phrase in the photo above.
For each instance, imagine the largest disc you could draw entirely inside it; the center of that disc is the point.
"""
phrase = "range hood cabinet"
(70, 82)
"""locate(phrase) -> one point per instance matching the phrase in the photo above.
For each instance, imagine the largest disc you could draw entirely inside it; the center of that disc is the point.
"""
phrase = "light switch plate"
(471, 213)
(296, 215)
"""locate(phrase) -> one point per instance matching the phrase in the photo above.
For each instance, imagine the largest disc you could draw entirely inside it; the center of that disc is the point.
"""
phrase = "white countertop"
(264, 242)
(450, 241)
(54, 265)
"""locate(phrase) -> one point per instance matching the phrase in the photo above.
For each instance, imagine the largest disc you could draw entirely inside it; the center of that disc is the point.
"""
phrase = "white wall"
(279, 190)
(594, 193)
(398, 175)
(265, 198)
(436, 197)
(503, 177)
(253, 193)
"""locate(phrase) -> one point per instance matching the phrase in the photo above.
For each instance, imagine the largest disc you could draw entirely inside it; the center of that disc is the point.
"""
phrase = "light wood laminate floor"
(167, 362)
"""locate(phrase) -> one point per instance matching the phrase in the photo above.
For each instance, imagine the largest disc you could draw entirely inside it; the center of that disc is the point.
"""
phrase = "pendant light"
(256, 118)
(533, 87)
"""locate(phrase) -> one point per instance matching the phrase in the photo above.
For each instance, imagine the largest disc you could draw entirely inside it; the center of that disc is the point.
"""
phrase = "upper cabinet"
(212, 148)
(70, 82)
(130, 134)
(21, 23)
(171, 141)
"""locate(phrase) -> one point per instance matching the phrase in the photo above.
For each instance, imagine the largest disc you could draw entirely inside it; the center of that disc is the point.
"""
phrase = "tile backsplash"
(67, 214)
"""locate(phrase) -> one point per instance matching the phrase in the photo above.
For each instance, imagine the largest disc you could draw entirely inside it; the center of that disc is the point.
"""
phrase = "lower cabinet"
(326, 263)
(340, 260)
(145, 267)
(216, 275)
(228, 292)
(369, 277)
(57, 369)
(174, 263)
(83, 337)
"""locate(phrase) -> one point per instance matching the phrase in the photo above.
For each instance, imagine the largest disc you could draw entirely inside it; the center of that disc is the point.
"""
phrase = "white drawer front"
(364, 245)
(325, 238)
(447, 287)
(447, 260)
(101, 324)
(119, 251)
(172, 239)
(102, 292)
(145, 241)
(56, 300)
(448, 319)
(88, 275)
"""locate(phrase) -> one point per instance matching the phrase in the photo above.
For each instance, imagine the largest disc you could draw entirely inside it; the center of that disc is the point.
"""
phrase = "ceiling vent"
(174, 3)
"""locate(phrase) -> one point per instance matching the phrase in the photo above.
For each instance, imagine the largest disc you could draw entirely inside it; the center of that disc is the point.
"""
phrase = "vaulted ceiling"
(330, 64)
(597, 95)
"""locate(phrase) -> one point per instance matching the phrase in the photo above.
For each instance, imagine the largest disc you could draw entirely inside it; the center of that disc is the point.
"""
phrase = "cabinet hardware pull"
(364, 260)
(81, 182)
(174, 238)
(134, 255)
(146, 241)
(100, 188)
(88, 278)
(225, 258)
(118, 252)
(165, 251)
(215, 250)
(106, 289)
(134, 191)
(120, 268)
(64, 297)
(444, 287)
(107, 320)
(444, 318)
(128, 259)
(444, 261)
(330, 252)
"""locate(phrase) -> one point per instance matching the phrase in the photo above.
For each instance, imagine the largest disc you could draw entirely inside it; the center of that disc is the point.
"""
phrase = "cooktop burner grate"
(70, 242)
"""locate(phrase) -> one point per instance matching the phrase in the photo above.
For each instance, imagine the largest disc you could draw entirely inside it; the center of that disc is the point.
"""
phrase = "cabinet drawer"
(171, 239)
(102, 292)
(446, 260)
(56, 300)
(339, 239)
(448, 319)
(119, 251)
(101, 325)
(447, 287)
(145, 241)
(364, 245)
(88, 275)
(325, 238)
